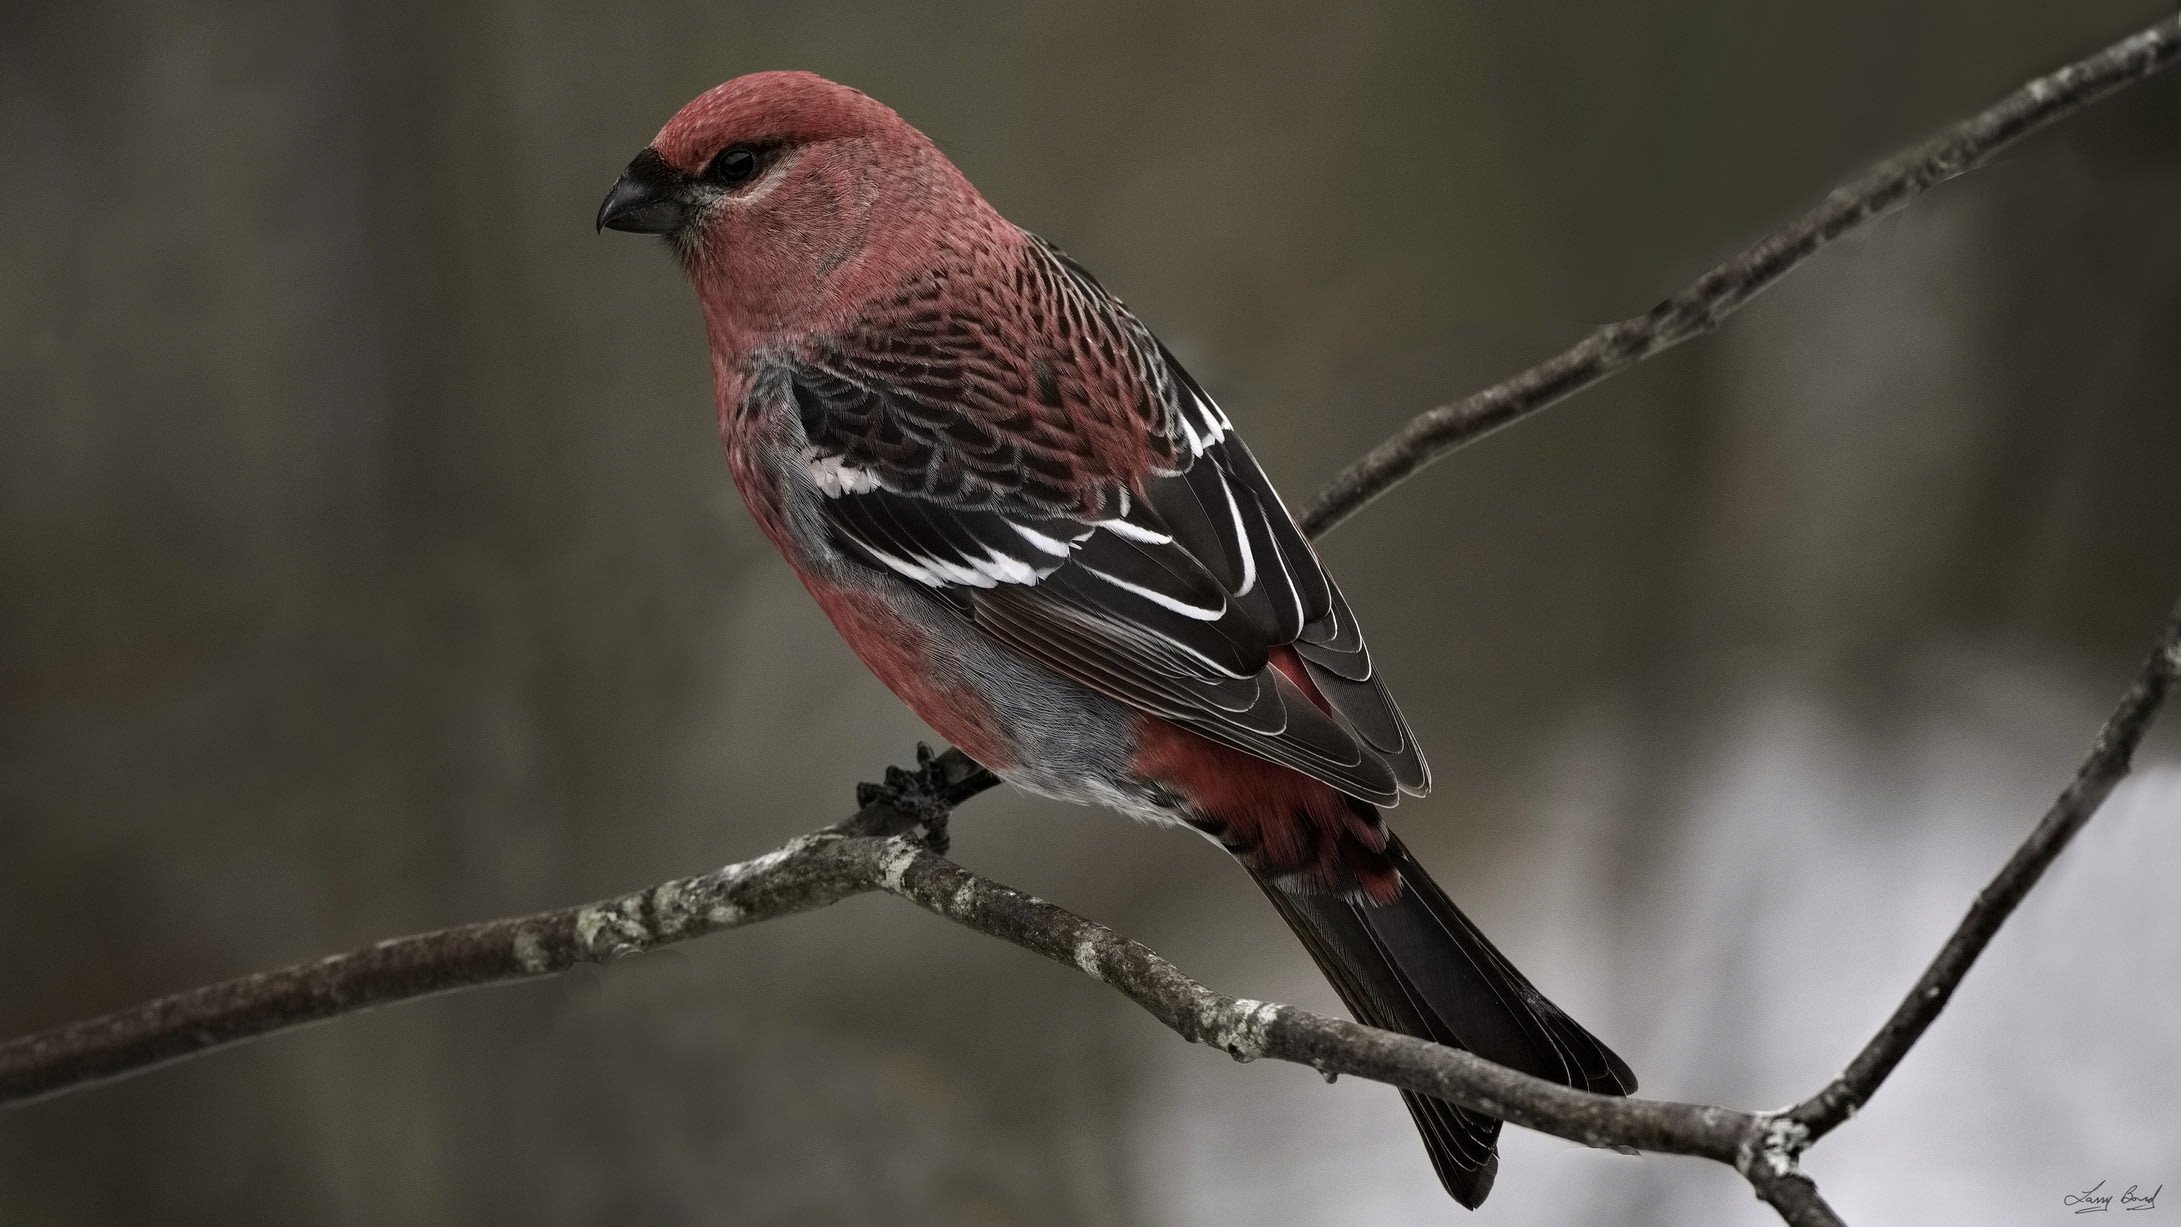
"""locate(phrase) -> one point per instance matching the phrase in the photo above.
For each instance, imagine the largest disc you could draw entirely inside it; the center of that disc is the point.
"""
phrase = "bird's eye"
(733, 167)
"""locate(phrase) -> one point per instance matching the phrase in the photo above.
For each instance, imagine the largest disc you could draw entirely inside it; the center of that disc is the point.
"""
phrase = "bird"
(1042, 533)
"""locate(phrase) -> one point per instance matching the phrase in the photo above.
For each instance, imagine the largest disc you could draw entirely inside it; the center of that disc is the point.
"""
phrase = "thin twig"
(868, 852)
(1432, 434)
(794, 878)
(1249, 1029)
(1770, 1161)
(2109, 761)
(880, 849)
(1796, 1198)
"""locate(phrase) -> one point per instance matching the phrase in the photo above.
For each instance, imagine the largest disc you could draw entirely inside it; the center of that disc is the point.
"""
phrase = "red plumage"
(1042, 534)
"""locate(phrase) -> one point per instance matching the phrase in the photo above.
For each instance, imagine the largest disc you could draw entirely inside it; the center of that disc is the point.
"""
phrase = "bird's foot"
(916, 803)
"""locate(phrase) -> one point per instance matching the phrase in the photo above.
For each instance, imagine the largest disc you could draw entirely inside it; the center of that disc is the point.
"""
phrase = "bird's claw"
(912, 803)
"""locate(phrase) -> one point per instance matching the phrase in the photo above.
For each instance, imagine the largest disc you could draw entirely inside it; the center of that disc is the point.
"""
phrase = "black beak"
(648, 198)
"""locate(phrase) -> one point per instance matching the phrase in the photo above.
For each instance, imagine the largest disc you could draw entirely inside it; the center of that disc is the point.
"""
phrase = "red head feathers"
(793, 201)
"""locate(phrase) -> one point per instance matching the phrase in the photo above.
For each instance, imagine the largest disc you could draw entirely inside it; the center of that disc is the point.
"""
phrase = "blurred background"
(367, 564)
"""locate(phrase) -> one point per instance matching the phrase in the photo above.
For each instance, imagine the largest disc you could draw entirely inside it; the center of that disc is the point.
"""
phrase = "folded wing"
(1071, 490)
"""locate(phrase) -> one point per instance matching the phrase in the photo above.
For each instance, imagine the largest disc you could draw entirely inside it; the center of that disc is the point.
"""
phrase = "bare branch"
(2108, 762)
(865, 853)
(1249, 1029)
(807, 873)
(881, 848)
(1796, 1198)
(1698, 309)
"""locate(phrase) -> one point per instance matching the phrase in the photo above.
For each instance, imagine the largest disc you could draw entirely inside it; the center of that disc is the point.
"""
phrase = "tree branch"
(1795, 1196)
(876, 850)
(884, 847)
(2110, 758)
(889, 845)
(822, 867)
(1696, 310)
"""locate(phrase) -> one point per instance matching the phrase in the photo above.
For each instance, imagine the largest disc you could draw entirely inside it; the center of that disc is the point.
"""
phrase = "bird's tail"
(1416, 965)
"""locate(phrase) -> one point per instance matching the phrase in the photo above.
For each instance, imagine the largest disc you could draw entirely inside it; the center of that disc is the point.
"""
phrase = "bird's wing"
(1042, 462)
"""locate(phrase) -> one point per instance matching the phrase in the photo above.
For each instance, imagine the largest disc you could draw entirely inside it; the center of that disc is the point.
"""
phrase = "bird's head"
(788, 199)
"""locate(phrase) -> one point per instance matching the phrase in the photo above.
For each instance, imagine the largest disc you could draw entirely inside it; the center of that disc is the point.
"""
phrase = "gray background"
(367, 564)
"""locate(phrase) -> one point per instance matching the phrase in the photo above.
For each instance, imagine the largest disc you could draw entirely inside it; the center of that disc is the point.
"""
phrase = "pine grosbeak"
(1042, 534)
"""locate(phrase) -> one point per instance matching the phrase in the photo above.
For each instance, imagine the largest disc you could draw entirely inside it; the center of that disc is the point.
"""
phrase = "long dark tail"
(1416, 965)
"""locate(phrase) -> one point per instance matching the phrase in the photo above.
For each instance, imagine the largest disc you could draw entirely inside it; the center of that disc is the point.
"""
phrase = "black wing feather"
(1168, 596)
